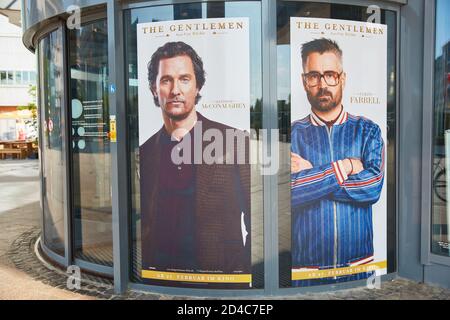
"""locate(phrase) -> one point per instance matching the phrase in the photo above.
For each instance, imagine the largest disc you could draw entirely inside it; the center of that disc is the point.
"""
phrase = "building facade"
(17, 75)
(91, 95)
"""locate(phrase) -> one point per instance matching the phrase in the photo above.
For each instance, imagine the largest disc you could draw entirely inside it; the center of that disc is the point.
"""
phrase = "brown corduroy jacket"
(222, 193)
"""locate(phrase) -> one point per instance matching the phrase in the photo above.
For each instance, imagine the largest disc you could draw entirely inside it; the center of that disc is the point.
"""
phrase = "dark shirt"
(175, 216)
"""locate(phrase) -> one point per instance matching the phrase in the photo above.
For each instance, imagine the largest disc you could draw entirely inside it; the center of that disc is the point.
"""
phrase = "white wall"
(14, 96)
(15, 57)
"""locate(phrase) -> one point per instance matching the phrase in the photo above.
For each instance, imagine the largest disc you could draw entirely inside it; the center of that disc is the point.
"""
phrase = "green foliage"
(32, 107)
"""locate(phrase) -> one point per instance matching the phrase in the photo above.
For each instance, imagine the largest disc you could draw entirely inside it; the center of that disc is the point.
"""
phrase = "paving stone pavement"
(24, 275)
(19, 215)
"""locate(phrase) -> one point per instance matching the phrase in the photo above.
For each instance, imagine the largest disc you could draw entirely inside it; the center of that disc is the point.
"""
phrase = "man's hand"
(299, 164)
(353, 166)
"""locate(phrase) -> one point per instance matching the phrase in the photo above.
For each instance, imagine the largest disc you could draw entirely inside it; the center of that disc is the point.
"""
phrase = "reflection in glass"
(18, 77)
(10, 77)
(52, 146)
(441, 211)
(285, 10)
(195, 11)
(33, 77)
(25, 77)
(2, 77)
(91, 186)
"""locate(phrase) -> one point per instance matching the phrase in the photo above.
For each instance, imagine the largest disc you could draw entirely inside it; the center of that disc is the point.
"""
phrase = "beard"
(172, 113)
(175, 116)
(324, 101)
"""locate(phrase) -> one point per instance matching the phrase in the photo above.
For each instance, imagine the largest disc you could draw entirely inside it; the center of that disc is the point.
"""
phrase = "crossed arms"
(348, 180)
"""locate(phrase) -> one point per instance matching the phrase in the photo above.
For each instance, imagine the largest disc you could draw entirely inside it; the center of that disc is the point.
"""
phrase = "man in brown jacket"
(195, 216)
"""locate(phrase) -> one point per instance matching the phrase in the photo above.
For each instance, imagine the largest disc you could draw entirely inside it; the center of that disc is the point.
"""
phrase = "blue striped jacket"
(332, 212)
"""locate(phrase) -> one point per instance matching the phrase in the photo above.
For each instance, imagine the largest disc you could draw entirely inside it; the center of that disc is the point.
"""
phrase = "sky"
(442, 25)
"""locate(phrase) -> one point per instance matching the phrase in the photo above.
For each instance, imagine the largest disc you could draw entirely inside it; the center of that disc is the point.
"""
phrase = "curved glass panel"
(440, 239)
(167, 16)
(52, 144)
(286, 10)
(91, 185)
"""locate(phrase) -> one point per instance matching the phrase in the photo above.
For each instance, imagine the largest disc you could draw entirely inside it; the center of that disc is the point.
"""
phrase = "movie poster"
(338, 136)
(194, 113)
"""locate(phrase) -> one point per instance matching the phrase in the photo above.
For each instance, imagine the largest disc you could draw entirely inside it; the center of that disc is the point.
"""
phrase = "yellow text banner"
(337, 272)
(197, 277)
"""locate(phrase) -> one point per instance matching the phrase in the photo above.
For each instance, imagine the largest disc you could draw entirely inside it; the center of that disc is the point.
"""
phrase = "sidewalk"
(23, 276)
(20, 212)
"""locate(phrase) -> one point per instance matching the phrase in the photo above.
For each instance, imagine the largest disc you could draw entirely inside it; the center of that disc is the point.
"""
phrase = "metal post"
(66, 150)
(119, 170)
(270, 116)
(427, 134)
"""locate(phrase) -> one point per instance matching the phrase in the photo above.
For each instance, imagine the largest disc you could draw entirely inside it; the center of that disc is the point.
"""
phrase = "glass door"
(330, 225)
(212, 36)
(440, 240)
(90, 153)
(52, 142)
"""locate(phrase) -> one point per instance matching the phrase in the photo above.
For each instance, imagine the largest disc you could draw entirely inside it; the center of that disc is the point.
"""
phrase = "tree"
(32, 107)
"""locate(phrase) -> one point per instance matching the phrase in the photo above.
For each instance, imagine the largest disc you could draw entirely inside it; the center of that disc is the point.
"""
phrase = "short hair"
(320, 46)
(171, 50)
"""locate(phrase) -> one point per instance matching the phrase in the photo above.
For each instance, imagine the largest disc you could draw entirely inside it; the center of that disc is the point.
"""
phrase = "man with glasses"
(337, 165)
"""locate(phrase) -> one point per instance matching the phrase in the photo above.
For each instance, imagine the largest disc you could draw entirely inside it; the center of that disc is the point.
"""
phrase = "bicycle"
(439, 180)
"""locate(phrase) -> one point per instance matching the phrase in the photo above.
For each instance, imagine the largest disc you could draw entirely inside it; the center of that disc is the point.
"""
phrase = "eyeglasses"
(331, 78)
